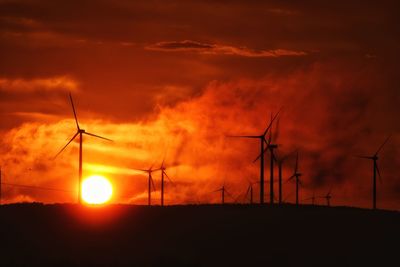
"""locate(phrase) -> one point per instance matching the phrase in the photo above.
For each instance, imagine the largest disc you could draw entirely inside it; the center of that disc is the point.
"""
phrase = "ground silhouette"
(197, 235)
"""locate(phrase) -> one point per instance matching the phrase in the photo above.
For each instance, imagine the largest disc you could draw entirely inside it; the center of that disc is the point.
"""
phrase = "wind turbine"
(280, 162)
(328, 198)
(271, 147)
(296, 175)
(249, 192)
(163, 173)
(79, 132)
(151, 185)
(374, 158)
(222, 189)
(262, 141)
(223, 192)
(311, 198)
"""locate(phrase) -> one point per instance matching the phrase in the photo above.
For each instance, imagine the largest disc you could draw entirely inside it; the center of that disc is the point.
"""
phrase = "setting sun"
(96, 189)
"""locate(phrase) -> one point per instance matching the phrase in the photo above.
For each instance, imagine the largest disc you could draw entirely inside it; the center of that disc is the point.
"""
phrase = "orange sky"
(173, 79)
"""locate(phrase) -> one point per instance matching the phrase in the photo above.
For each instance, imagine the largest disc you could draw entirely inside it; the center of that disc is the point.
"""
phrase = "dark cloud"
(218, 49)
(183, 45)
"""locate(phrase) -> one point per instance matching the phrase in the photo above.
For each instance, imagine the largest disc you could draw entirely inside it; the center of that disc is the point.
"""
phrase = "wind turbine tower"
(262, 141)
(374, 159)
(163, 173)
(79, 132)
(296, 175)
(150, 183)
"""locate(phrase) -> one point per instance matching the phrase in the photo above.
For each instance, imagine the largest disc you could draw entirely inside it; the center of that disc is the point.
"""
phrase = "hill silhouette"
(196, 235)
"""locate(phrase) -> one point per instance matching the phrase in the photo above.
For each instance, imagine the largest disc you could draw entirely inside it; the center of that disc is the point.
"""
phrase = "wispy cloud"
(59, 83)
(219, 49)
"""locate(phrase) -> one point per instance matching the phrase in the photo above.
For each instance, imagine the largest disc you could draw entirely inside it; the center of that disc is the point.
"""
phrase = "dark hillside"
(205, 235)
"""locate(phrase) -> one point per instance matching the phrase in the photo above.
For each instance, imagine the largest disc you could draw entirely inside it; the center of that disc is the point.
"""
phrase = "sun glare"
(96, 189)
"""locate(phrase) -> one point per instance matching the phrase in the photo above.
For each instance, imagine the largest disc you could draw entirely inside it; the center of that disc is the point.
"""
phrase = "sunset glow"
(96, 190)
(198, 133)
(171, 81)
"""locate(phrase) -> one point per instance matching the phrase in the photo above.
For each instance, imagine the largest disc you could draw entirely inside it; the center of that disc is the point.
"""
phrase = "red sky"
(172, 78)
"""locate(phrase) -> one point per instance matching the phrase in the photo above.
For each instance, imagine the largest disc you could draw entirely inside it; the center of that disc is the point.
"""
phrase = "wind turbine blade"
(151, 167)
(329, 192)
(168, 177)
(290, 178)
(364, 157)
(267, 142)
(270, 123)
(379, 173)
(270, 132)
(66, 145)
(276, 135)
(162, 163)
(73, 109)
(229, 194)
(152, 183)
(384, 143)
(243, 136)
(248, 180)
(274, 158)
(237, 198)
(248, 191)
(297, 162)
(98, 136)
(265, 150)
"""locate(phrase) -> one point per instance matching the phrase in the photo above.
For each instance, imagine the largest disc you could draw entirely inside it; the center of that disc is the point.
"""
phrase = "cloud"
(218, 49)
(33, 99)
(191, 135)
(337, 101)
(58, 83)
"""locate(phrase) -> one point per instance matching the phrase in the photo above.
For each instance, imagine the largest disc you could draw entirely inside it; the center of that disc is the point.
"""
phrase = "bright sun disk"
(96, 189)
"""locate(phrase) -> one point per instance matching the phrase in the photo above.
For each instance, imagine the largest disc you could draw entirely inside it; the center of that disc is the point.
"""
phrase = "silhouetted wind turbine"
(151, 185)
(223, 192)
(79, 132)
(311, 198)
(249, 192)
(222, 189)
(262, 141)
(163, 173)
(280, 166)
(328, 197)
(296, 175)
(271, 147)
(374, 158)
(280, 161)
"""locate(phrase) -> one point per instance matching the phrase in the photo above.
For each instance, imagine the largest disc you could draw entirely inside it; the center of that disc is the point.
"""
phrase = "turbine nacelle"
(79, 132)
(272, 146)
